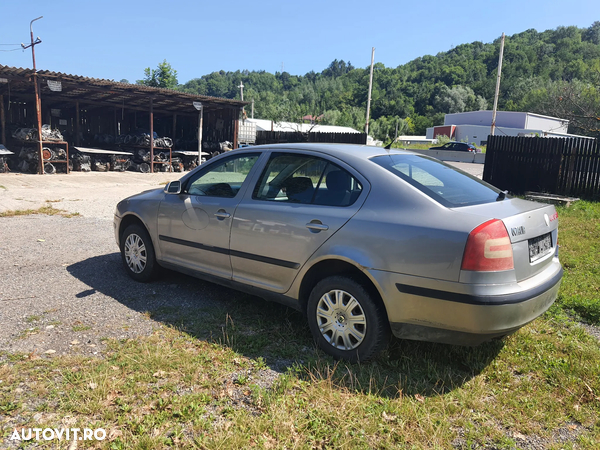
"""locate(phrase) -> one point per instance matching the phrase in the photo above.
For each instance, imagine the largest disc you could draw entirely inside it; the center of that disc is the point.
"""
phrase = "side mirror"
(174, 187)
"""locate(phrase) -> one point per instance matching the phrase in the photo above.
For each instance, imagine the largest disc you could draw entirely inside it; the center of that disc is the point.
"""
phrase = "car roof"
(340, 151)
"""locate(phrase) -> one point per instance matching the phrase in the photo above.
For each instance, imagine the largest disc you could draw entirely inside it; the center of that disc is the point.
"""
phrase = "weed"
(47, 210)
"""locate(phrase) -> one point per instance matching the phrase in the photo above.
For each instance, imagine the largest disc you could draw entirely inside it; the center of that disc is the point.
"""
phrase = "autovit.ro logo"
(68, 434)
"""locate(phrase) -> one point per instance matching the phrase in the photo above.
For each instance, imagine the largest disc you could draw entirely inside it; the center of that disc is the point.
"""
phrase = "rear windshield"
(443, 183)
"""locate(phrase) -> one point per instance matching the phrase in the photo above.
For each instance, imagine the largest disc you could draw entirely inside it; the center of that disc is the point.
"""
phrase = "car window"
(222, 179)
(305, 179)
(442, 182)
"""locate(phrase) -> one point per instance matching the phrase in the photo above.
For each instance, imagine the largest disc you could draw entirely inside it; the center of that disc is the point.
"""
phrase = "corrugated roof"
(92, 92)
(266, 125)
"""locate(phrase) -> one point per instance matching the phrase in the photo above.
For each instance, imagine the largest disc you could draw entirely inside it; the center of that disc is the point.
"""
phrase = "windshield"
(445, 184)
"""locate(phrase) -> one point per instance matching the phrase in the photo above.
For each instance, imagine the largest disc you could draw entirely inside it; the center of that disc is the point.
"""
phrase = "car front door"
(194, 226)
(298, 202)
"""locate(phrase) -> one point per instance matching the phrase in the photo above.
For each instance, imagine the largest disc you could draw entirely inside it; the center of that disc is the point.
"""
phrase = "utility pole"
(252, 109)
(497, 86)
(241, 86)
(370, 89)
(38, 103)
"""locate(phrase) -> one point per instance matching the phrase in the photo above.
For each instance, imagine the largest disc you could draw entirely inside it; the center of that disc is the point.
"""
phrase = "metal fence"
(275, 137)
(566, 166)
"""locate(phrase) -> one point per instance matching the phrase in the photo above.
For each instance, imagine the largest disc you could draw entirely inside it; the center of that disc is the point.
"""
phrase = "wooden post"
(497, 86)
(174, 128)
(116, 124)
(151, 136)
(2, 121)
(370, 90)
(200, 120)
(77, 122)
(236, 127)
(38, 110)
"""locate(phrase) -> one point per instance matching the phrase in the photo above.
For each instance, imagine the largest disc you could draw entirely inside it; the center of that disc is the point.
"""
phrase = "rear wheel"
(137, 254)
(345, 320)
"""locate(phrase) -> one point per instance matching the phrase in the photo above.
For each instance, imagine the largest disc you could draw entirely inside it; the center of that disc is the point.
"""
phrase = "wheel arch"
(329, 267)
(128, 220)
(131, 219)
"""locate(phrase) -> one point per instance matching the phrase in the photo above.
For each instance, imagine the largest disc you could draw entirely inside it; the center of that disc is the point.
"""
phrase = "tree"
(575, 101)
(459, 99)
(164, 76)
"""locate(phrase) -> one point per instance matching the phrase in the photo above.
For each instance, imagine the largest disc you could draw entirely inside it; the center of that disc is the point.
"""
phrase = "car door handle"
(316, 226)
(221, 214)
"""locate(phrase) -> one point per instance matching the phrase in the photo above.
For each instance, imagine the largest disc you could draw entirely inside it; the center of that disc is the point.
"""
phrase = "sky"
(117, 39)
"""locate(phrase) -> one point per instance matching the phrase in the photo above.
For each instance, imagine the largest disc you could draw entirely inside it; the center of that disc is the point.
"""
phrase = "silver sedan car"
(365, 241)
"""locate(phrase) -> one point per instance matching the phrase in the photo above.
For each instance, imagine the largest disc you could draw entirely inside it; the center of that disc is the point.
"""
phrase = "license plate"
(539, 247)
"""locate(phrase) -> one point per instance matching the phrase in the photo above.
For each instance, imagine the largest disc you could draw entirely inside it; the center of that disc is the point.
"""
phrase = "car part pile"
(31, 134)
(87, 160)
(105, 163)
(5, 155)
(28, 159)
(139, 138)
(81, 162)
(54, 153)
(4, 164)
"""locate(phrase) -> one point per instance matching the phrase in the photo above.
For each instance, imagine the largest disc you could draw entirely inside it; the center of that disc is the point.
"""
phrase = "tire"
(137, 254)
(355, 335)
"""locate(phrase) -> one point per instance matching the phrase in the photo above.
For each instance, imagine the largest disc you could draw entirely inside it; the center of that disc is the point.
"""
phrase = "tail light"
(488, 248)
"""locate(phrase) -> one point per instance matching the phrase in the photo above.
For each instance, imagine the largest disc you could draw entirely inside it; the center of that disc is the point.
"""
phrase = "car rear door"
(194, 226)
(298, 202)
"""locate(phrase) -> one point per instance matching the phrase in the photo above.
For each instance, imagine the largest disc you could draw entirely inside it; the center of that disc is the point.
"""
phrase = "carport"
(87, 110)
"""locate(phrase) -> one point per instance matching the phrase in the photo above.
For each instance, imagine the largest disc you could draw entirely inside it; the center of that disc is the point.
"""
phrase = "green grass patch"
(48, 210)
(579, 240)
(175, 389)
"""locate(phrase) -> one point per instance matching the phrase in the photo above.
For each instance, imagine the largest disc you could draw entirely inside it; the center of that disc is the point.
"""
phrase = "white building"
(270, 125)
(474, 126)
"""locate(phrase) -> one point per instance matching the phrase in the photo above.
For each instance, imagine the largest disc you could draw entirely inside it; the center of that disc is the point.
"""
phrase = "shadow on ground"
(256, 328)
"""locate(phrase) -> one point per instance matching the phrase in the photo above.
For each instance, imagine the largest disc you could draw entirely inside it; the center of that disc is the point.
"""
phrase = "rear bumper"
(438, 315)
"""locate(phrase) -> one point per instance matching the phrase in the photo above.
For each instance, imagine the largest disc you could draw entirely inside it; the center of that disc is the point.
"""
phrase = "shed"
(87, 111)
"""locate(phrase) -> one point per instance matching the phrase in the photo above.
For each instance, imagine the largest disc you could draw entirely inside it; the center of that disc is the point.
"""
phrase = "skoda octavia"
(365, 241)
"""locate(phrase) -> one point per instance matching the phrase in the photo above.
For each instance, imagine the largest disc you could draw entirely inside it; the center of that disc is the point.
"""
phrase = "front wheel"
(137, 254)
(345, 320)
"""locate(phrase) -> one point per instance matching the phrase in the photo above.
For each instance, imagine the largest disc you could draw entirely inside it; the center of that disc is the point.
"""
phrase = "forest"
(554, 72)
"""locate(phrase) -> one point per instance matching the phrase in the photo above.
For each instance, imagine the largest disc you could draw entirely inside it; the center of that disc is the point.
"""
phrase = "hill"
(555, 72)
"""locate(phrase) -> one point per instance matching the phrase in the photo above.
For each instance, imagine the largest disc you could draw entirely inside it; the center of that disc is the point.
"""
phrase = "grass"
(579, 240)
(48, 210)
(204, 380)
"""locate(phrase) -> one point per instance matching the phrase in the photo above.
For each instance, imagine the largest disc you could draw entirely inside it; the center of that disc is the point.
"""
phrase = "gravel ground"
(89, 194)
(62, 286)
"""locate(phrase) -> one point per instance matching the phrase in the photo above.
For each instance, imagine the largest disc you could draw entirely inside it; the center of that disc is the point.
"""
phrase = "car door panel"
(194, 226)
(192, 236)
(271, 242)
(272, 239)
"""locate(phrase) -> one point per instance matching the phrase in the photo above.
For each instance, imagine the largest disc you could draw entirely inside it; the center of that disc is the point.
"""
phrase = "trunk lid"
(532, 228)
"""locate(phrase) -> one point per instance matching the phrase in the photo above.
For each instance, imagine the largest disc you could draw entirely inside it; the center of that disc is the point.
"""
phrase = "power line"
(13, 50)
